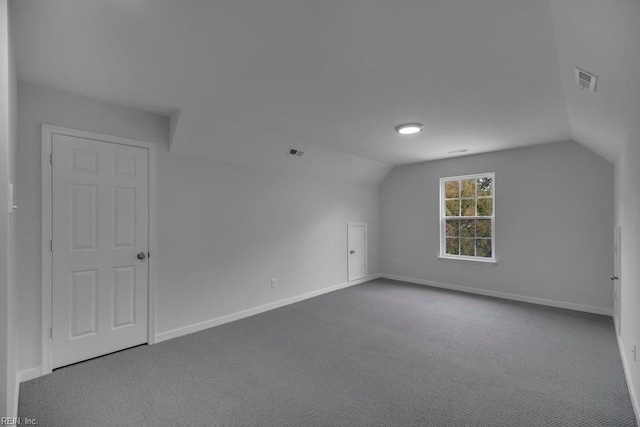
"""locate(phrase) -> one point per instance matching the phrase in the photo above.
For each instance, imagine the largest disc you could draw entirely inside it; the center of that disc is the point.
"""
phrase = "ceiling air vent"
(464, 150)
(295, 152)
(586, 80)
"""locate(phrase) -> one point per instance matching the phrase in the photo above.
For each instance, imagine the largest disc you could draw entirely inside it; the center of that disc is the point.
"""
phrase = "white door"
(616, 278)
(100, 195)
(357, 251)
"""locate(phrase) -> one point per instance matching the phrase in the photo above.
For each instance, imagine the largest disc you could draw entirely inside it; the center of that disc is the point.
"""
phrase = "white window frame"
(443, 218)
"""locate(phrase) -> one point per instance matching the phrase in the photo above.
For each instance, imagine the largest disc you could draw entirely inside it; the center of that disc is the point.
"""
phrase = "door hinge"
(51, 332)
(52, 246)
(51, 159)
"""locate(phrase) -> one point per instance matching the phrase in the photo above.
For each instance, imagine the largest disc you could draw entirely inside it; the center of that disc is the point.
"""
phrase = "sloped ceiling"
(602, 37)
(243, 80)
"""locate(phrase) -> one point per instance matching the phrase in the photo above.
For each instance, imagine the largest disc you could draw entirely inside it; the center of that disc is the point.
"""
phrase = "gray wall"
(223, 230)
(37, 105)
(554, 222)
(226, 230)
(8, 295)
(627, 185)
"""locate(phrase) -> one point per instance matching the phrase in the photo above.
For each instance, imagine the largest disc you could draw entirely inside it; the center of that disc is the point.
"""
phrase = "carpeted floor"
(382, 353)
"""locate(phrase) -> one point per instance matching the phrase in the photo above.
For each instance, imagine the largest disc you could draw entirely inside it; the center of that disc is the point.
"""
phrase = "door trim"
(47, 227)
(617, 284)
(366, 248)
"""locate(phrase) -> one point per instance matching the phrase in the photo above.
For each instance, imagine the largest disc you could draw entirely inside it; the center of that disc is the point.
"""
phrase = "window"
(467, 217)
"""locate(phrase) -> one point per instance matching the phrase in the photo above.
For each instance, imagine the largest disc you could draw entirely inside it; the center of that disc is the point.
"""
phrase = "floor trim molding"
(196, 327)
(627, 375)
(22, 376)
(504, 295)
(16, 397)
(29, 374)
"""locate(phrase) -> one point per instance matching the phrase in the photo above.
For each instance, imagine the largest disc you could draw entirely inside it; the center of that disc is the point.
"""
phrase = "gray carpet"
(382, 353)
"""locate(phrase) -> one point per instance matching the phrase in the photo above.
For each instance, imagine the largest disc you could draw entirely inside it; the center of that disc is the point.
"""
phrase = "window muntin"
(467, 217)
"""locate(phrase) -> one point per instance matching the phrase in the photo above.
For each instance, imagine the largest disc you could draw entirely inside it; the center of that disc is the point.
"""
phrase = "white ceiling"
(250, 78)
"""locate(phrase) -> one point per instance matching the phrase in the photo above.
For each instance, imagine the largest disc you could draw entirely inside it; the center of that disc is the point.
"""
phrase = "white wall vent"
(295, 152)
(586, 80)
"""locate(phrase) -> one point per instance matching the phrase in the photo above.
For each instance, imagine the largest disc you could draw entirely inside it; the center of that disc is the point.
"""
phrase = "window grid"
(467, 200)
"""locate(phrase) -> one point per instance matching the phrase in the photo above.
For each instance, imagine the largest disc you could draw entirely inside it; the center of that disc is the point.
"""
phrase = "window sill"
(468, 260)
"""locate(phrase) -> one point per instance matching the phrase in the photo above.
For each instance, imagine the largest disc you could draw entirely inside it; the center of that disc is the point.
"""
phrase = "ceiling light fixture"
(409, 128)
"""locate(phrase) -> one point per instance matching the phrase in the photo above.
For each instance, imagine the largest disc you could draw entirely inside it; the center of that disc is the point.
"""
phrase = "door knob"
(615, 278)
(141, 256)
(352, 252)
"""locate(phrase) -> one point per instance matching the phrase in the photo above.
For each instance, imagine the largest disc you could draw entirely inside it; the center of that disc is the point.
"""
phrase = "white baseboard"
(504, 295)
(33, 373)
(15, 397)
(22, 376)
(196, 327)
(29, 374)
(627, 375)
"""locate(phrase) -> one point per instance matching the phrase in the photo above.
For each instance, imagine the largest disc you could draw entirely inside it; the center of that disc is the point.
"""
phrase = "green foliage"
(452, 246)
(452, 189)
(453, 207)
(483, 248)
(468, 207)
(469, 197)
(468, 187)
(467, 227)
(483, 228)
(467, 247)
(485, 207)
(453, 227)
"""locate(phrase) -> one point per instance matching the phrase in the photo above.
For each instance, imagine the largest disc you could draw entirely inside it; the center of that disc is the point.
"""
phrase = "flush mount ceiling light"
(409, 128)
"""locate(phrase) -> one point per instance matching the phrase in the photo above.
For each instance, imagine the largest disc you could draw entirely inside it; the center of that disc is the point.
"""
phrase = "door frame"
(366, 248)
(47, 230)
(617, 283)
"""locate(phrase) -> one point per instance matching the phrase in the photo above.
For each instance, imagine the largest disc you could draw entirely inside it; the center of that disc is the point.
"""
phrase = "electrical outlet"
(274, 283)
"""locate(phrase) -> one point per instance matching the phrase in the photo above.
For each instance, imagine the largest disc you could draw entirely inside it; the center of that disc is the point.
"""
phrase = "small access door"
(357, 251)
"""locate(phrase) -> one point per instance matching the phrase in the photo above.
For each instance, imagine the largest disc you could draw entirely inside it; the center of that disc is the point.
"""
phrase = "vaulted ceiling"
(246, 79)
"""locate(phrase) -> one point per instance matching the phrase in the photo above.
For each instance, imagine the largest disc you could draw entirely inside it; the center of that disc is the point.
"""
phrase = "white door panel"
(100, 224)
(357, 251)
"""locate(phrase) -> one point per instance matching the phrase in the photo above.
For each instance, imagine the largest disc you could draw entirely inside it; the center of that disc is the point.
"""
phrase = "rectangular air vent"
(464, 150)
(295, 152)
(586, 80)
